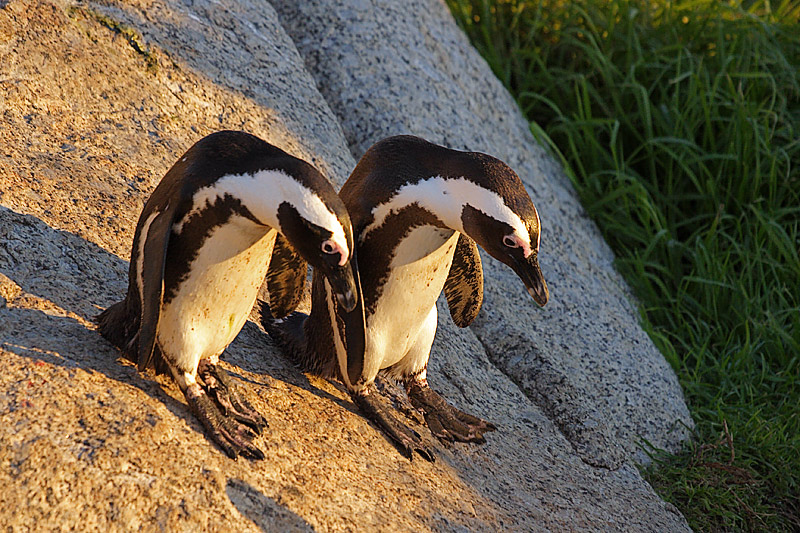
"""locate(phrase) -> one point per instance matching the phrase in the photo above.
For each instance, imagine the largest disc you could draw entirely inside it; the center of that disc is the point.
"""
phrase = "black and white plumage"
(232, 210)
(419, 211)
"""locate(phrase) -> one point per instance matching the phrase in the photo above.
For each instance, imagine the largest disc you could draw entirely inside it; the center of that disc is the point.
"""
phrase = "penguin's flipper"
(353, 329)
(153, 262)
(286, 278)
(464, 285)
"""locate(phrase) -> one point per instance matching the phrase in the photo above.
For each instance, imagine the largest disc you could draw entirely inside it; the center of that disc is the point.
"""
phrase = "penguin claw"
(426, 453)
(220, 386)
(446, 422)
(406, 439)
(234, 438)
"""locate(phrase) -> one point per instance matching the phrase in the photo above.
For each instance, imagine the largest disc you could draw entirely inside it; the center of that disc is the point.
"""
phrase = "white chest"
(417, 275)
(214, 301)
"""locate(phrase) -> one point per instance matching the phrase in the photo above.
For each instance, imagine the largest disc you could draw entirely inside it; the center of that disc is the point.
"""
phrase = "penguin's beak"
(529, 272)
(343, 285)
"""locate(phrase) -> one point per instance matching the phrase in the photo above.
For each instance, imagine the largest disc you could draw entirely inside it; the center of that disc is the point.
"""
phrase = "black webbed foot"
(220, 386)
(229, 420)
(234, 438)
(405, 438)
(444, 420)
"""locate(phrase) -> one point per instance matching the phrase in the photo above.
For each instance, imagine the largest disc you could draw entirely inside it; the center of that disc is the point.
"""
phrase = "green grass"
(679, 125)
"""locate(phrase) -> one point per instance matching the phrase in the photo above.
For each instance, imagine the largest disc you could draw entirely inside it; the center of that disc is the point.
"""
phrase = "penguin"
(232, 211)
(419, 211)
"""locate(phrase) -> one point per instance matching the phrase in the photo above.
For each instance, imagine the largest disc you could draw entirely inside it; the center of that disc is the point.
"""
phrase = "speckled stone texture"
(97, 100)
(389, 68)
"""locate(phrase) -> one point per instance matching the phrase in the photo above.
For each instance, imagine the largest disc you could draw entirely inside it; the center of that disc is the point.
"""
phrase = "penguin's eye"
(329, 247)
(510, 241)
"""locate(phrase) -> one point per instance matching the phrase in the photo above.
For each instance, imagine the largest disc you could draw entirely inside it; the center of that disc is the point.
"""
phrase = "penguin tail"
(287, 331)
(121, 329)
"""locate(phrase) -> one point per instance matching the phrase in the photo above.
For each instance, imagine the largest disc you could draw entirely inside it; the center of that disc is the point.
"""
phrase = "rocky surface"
(97, 100)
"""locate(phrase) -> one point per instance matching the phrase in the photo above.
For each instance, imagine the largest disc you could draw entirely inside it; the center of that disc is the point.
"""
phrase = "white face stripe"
(140, 255)
(446, 198)
(261, 193)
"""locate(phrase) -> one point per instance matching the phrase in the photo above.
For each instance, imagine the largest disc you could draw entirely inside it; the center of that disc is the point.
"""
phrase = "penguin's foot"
(234, 438)
(408, 440)
(220, 386)
(444, 420)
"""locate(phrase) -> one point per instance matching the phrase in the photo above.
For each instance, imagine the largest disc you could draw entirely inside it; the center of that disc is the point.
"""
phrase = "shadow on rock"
(255, 352)
(53, 283)
(265, 512)
(59, 266)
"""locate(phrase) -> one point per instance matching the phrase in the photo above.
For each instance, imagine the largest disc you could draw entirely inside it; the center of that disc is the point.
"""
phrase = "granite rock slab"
(388, 68)
(97, 100)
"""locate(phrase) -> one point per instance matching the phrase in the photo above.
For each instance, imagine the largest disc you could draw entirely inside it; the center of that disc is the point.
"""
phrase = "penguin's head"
(470, 192)
(319, 229)
(500, 216)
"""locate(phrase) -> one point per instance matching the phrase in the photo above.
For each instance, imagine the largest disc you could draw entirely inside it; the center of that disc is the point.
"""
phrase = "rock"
(389, 68)
(99, 99)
